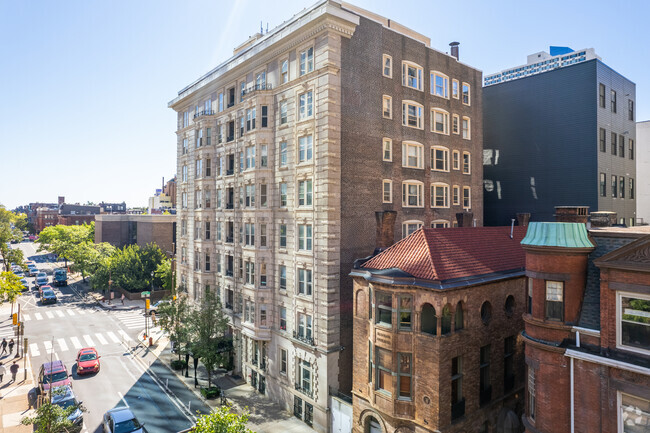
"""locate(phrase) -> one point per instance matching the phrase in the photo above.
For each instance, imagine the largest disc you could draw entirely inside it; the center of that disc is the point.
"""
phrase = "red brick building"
(587, 333)
(437, 323)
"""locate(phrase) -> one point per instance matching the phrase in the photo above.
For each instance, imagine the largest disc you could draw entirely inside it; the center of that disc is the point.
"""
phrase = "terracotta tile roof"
(450, 253)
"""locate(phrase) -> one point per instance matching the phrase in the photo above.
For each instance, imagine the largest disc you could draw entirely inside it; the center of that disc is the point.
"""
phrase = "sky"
(85, 84)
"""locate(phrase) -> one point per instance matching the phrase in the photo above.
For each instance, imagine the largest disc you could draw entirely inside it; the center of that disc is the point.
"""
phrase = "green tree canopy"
(131, 267)
(62, 240)
(88, 257)
(52, 418)
(174, 317)
(222, 420)
(209, 326)
(10, 287)
(9, 231)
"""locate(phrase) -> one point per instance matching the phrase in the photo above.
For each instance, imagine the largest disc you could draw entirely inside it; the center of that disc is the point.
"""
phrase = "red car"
(87, 361)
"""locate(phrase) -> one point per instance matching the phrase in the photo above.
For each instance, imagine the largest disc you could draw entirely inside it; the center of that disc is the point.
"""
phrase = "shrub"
(178, 364)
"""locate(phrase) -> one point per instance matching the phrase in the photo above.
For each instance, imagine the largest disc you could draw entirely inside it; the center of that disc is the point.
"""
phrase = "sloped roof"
(451, 253)
(633, 256)
(567, 235)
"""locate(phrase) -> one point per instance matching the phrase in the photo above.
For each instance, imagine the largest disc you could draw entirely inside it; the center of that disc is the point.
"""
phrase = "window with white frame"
(439, 121)
(199, 167)
(467, 197)
(409, 227)
(412, 154)
(184, 200)
(283, 154)
(455, 93)
(263, 237)
(284, 72)
(250, 119)
(249, 234)
(387, 190)
(283, 236)
(455, 124)
(249, 196)
(306, 105)
(467, 133)
(283, 194)
(283, 358)
(250, 275)
(284, 116)
(412, 75)
(387, 107)
(282, 273)
(198, 199)
(250, 157)
(439, 158)
(439, 224)
(305, 193)
(633, 413)
(467, 163)
(554, 301)
(456, 195)
(387, 154)
(184, 171)
(305, 148)
(304, 326)
(387, 66)
(455, 160)
(307, 61)
(412, 114)
(304, 281)
(264, 156)
(439, 195)
(633, 321)
(185, 144)
(305, 237)
(466, 95)
(439, 84)
(412, 193)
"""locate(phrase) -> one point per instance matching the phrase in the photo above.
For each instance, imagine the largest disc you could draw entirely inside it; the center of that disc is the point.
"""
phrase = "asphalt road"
(129, 375)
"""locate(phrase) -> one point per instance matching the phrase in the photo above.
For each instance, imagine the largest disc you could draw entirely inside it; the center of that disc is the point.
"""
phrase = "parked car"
(60, 277)
(33, 271)
(25, 284)
(48, 296)
(52, 374)
(122, 420)
(65, 398)
(42, 288)
(20, 274)
(41, 279)
(154, 307)
(88, 361)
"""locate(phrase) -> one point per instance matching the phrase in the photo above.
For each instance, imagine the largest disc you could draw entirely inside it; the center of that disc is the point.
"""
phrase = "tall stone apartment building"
(285, 152)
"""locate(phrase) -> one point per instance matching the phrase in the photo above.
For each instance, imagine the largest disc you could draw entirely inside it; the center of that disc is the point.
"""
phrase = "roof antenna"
(267, 27)
(261, 28)
(512, 228)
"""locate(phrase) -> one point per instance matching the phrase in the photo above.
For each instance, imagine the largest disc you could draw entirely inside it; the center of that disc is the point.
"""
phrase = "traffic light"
(14, 318)
(146, 304)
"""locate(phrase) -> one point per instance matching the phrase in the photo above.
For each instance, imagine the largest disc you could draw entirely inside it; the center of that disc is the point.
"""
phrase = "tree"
(222, 420)
(87, 257)
(8, 233)
(164, 274)
(131, 267)
(209, 326)
(51, 418)
(61, 240)
(10, 288)
(173, 317)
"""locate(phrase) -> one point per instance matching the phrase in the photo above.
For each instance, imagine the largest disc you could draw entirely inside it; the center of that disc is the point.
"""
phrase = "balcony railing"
(230, 104)
(204, 113)
(229, 274)
(485, 395)
(263, 365)
(306, 391)
(257, 87)
(458, 409)
(230, 206)
(230, 172)
(228, 304)
(229, 239)
(304, 339)
(230, 137)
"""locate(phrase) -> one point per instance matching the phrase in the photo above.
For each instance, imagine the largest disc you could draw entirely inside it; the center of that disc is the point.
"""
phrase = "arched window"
(486, 312)
(458, 317)
(372, 425)
(428, 320)
(509, 307)
(445, 324)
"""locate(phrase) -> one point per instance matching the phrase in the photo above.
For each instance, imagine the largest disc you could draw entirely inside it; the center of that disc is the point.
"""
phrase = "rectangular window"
(305, 193)
(412, 194)
(250, 157)
(199, 167)
(305, 148)
(220, 102)
(304, 326)
(633, 414)
(306, 105)
(457, 400)
(283, 359)
(603, 185)
(455, 160)
(439, 195)
(249, 196)
(404, 313)
(387, 62)
(454, 89)
(249, 234)
(439, 84)
(264, 155)
(466, 163)
(409, 227)
(283, 236)
(439, 121)
(466, 94)
(218, 230)
(631, 183)
(284, 117)
(284, 72)
(602, 139)
(263, 195)
(508, 363)
(555, 300)
(207, 262)
(614, 186)
(404, 373)
(630, 110)
(621, 187)
(184, 173)
(283, 194)
(304, 282)
(384, 305)
(614, 146)
(630, 148)
(250, 119)
(467, 133)
(601, 95)
(282, 272)
(387, 186)
(456, 195)
(387, 107)
(485, 387)
(183, 227)
(307, 61)
(412, 75)
(412, 115)
(208, 136)
(439, 159)
(412, 155)
(467, 197)
(263, 238)
(208, 198)
(531, 393)
(283, 154)
(388, 150)
(265, 116)
(621, 146)
(613, 101)
(208, 167)
(383, 368)
(455, 121)
(207, 229)
(305, 237)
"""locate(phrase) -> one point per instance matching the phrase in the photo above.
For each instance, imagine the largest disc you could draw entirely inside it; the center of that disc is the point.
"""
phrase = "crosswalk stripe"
(89, 340)
(101, 339)
(82, 312)
(48, 347)
(26, 317)
(34, 349)
(76, 343)
(62, 344)
(113, 337)
(71, 312)
(124, 335)
(60, 313)
(49, 315)
(38, 316)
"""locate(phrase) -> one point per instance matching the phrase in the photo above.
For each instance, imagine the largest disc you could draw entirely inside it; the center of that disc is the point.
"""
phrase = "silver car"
(41, 279)
(122, 420)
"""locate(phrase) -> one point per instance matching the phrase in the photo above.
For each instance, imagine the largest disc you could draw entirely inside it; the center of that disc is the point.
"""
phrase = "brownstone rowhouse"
(437, 323)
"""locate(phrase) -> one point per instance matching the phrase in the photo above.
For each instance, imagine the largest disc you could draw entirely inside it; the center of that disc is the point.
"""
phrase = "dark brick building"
(121, 230)
(437, 319)
(587, 333)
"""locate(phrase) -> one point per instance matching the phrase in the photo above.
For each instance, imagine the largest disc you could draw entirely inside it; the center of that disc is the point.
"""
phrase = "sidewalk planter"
(210, 393)
(178, 364)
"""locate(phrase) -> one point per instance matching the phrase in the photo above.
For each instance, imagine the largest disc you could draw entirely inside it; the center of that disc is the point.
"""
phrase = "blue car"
(65, 398)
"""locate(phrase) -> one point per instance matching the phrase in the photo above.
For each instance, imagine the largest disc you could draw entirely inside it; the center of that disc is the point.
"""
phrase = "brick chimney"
(61, 200)
(385, 228)
(571, 214)
(603, 219)
(465, 219)
(523, 218)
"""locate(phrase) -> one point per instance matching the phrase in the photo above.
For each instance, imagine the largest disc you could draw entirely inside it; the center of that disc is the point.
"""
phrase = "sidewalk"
(265, 415)
(115, 304)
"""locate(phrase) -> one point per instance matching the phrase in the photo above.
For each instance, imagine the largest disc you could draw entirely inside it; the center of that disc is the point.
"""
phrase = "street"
(130, 375)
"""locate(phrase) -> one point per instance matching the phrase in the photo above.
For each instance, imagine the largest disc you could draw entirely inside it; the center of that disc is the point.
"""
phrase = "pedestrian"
(11, 345)
(14, 371)
(122, 298)
(4, 346)
(3, 370)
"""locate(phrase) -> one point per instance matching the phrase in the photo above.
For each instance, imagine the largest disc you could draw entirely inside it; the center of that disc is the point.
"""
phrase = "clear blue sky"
(85, 84)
